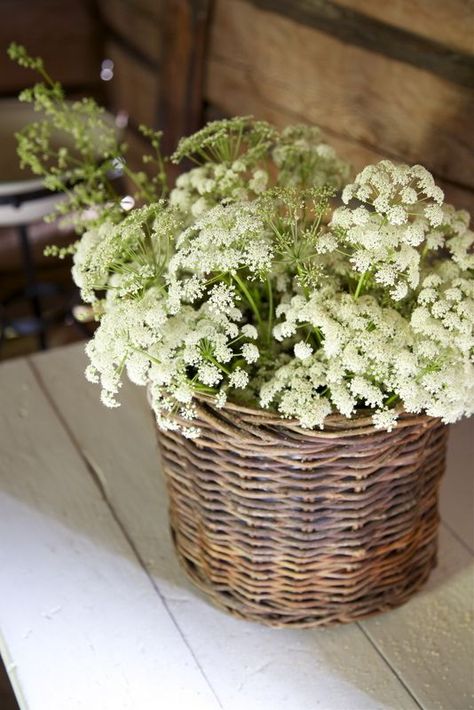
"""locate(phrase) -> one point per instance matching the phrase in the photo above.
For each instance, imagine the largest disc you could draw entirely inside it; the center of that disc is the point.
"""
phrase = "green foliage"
(297, 218)
(304, 159)
(129, 257)
(227, 140)
(76, 148)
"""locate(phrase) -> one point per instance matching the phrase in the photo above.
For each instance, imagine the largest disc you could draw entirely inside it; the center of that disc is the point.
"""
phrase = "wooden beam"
(452, 23)
(184, 44)
(356, 28)
(385, 105)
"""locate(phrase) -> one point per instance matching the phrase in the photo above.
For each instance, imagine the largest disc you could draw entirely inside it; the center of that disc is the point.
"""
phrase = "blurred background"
(382, 79)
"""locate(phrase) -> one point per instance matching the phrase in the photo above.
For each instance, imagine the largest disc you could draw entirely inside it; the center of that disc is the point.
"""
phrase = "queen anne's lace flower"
(225, 239)
(238, 290)
(250, 352)
(239, 378)
(303, 350)
(303, 158)
(402, 210)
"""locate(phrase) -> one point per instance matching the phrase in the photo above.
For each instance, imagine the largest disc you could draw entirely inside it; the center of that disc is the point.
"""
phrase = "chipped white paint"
(247, 667)
(82, 625)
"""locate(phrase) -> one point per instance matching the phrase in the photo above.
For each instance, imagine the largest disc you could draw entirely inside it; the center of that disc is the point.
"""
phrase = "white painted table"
(96, 614)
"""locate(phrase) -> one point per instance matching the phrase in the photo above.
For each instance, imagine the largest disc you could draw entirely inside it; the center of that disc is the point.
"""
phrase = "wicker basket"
(301, 528)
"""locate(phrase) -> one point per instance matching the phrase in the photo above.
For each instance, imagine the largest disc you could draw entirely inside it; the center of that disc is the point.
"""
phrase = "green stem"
(301, 275)
(270, 309)
(248, 296)
(142, 191)
(199, 387)
(360, 285)
(424, 251)
(393, 398)
(215, 362)
(318, 334)
(218, 277)
(42, 71)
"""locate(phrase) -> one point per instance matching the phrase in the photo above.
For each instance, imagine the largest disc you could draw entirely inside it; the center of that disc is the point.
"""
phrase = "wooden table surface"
(96, 614)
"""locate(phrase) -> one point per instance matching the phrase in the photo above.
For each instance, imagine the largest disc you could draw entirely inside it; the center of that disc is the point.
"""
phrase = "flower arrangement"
(265, 276)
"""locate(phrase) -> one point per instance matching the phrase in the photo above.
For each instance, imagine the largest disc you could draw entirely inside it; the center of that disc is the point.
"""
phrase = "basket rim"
(334, 424)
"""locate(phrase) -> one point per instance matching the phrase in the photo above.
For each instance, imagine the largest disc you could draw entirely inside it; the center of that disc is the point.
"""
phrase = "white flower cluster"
(126, 257)
(206, 186)
(247, 284)
(303, 158)
(155, 347)
(366, 354)
(400, 208)
(155, 334)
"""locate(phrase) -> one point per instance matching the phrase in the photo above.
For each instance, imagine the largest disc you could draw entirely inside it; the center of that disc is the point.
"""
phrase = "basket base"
(252, 610)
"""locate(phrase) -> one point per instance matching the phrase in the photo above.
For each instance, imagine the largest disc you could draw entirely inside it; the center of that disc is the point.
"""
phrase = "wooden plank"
(67, 41)
(430, 641)
(138, 27)
(184, 47)
(246, 664)
(134, 87)
(356, 28)
(81, 624)
(457, 490)
(154, 8)
(389, 106)
(228, 89)
(450, 23)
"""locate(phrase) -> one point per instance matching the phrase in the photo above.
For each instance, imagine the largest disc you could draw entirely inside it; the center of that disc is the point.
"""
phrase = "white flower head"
(250, 352)
(239, 378)
(250, 331)
(303, 350)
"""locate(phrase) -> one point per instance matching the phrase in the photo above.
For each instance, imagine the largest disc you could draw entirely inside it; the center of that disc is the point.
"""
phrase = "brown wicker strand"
(290, 527)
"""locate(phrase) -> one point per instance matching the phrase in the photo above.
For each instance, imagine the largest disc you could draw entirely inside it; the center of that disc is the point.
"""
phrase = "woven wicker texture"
(290, 527)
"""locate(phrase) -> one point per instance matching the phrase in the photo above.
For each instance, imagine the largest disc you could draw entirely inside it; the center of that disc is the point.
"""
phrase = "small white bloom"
(239, 379)
(259, 181)
(302, 350)
(250, 352)
(108, 398)
(360, 216)
(385, 419)
(434, 214)
(250, 331)
(91, 374)
(347, 194)
(209, 374)
(409, 195)
(397, 215)
(220, 399)
(199, 207)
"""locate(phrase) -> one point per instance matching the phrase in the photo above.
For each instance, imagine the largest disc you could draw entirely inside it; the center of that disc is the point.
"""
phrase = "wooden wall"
(67, 34)
(380, 78)
(157, 47)
(64, 32)
(132, 40)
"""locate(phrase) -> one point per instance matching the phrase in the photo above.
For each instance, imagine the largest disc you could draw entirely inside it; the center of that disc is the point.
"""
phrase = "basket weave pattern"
(304, 528)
